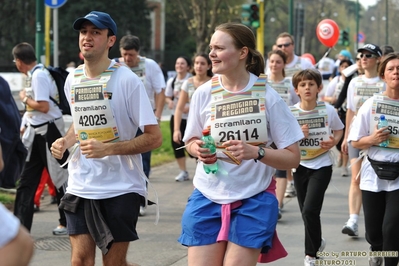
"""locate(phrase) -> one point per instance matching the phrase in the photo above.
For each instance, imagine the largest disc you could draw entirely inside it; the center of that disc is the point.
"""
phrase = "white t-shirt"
(334, 123)
(360, 128)
(43, 86)
(175, 91)
(9, 226)
(350, 99)
(155, 80)
(294, 98)
(237, 182)
(332, 86)
(115, 175)
(326, 66)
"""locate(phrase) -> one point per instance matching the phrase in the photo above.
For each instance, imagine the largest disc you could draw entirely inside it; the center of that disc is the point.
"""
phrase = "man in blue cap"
(106, 180)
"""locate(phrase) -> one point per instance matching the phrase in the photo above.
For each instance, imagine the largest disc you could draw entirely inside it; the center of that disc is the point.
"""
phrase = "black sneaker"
(53, 200)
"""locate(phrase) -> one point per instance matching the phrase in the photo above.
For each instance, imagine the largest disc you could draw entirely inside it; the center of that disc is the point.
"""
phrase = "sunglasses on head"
(367, 55)
(285, 45)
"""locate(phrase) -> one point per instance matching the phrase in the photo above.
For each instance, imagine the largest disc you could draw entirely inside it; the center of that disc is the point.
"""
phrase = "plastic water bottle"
(209, 143)
(382, 122)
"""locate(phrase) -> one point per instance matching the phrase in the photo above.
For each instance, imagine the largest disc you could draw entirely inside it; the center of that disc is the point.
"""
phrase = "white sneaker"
(290, 191)
(344, 171)
(142, 210)
(350, 228)
(375, 261)
(309, 261)
(183, 176)
(322, 245)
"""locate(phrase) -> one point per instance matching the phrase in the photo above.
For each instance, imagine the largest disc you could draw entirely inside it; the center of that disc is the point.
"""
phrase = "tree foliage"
(190, 23)
(201, 17)
(131, 17)
(17, 24)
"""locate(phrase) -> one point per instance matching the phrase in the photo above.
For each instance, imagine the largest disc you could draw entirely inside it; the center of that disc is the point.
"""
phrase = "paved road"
(158, 244)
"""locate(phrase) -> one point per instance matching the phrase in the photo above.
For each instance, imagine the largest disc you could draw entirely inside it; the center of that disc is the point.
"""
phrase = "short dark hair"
(347, 61)
(130, 42)
(386, 49)
(284, 35)
(24, 52)
(307, 74)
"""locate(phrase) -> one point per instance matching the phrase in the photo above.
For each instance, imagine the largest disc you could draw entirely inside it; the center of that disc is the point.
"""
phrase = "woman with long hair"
(172, 94)
(231, 216)
(283, 86)
(202, 72)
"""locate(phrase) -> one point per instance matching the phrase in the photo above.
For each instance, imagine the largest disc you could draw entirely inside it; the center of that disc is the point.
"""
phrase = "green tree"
(201, 17)
(178, 39)
(17, 24)
(131, 17)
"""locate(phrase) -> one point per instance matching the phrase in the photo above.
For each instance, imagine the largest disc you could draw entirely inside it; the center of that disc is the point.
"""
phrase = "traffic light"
(344, 38)
(245, 15)
(250, 15)
(255, 23)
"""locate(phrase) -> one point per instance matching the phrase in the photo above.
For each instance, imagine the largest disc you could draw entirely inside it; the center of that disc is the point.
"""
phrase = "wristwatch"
(26, 99)
(261, 153)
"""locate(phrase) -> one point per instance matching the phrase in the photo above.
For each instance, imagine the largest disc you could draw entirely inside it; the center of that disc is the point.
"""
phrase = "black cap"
(372, 48)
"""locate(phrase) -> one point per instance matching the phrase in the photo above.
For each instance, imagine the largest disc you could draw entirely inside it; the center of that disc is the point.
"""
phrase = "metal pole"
(386, 23)
(291, 19)
(261, 30)
(39, 43)
(55, 37)
(47, 23)
(357, 25)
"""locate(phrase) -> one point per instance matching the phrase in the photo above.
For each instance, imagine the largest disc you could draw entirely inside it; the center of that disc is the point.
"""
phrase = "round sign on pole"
(361, 37)
(54, 3)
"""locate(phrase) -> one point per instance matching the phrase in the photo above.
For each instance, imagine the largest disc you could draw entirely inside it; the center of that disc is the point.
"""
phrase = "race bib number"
(383, 105)
(319, 131)
(364, 91)
(240, 120)
(92, 114)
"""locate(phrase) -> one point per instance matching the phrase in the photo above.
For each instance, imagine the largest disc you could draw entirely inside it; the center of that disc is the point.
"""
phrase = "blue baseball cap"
(346, 53)
(100, 19)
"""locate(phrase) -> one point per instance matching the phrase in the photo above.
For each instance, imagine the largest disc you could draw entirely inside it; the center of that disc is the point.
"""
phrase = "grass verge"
(163, 154)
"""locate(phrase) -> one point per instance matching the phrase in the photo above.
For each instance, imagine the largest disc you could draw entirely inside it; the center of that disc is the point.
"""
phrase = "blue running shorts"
(252, 224)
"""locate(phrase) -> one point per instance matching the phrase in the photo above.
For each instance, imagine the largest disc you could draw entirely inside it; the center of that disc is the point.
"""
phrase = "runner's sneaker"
(142, 210)
(309, 261)
(350, 228)
(290, 190)
(344, 171)
(183, 176)
(60, 230)
(322, 245)
(375, 261)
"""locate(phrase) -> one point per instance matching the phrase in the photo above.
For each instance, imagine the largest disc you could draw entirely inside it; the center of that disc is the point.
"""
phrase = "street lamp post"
(386, 23)
(357, 25)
